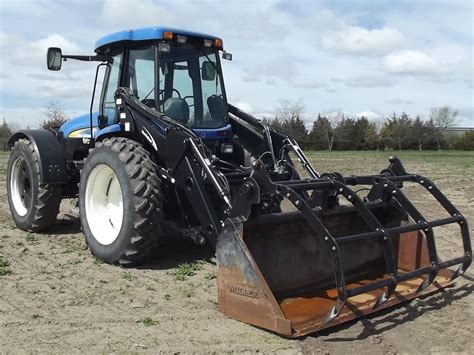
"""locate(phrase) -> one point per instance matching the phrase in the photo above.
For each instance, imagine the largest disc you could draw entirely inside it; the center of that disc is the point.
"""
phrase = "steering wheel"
(179, 94)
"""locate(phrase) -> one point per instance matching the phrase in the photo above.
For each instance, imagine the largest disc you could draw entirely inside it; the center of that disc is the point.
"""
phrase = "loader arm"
(184, 160)
(181, 155)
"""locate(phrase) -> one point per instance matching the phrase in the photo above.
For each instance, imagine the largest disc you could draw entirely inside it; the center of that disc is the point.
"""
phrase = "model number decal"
(239, 290)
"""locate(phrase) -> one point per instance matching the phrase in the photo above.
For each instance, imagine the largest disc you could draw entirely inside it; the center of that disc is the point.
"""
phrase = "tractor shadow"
(172, 251)
(178, 250)
(387, 319)
(65, 225)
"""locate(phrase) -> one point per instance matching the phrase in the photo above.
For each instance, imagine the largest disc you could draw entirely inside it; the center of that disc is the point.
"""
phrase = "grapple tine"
(384, 297)
(426, 282)
(460, 271)
(333, 313)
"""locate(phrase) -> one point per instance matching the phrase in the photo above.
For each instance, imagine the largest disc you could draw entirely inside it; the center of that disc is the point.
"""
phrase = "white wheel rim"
(20, 186)
(103, 204)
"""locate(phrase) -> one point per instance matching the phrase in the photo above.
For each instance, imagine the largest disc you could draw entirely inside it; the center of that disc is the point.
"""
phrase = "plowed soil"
(58, 298)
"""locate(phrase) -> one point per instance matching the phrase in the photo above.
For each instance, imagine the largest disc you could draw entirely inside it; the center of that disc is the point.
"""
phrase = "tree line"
(397, 132)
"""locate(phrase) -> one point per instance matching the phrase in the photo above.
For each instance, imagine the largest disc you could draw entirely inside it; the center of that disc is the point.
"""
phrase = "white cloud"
(122, 14)
(361, 41)
(243, 106)
(25, 52)
(371, 115)
(270, 82)
(307, 84)
(370, 81)
(250, 78)
(398, 101)
(409, 62)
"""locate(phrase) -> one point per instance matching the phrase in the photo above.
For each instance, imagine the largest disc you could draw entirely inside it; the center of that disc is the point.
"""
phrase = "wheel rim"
(20, 186)
(104, 204)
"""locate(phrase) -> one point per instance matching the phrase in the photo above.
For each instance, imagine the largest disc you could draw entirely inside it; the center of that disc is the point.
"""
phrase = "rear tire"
(120, 202)
(34, 206)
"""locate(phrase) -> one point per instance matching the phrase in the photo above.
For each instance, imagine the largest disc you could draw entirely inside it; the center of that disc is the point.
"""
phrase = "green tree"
(296, 128)
(344, 134)
(289, 120)
(465, 142)
(397, 131)
(424, 133)
(322, 135)
(5, 134)
(364, 134)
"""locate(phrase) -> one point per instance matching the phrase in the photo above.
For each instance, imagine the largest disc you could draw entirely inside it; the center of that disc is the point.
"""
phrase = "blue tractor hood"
(79, 123)
(76, 124)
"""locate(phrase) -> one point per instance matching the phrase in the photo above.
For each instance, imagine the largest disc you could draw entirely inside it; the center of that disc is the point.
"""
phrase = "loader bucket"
(278, 272)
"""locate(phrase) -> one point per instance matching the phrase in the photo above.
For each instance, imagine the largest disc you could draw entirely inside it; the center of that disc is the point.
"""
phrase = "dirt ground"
(57, 298)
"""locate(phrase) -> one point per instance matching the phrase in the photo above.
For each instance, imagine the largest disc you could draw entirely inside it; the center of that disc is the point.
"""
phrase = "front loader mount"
(299, 272)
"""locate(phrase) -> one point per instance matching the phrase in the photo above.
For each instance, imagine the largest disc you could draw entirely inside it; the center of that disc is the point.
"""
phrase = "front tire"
(34, 206)
(120, 202)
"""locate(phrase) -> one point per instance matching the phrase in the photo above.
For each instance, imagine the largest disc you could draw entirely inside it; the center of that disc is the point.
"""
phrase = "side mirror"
(227, 55)
(208, 71)
(54, 58)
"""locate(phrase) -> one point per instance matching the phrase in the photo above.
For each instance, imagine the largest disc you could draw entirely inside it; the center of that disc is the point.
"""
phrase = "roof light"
(181, 39)
(168, 35)
(218, 42)
(207, 42)
(164, 47)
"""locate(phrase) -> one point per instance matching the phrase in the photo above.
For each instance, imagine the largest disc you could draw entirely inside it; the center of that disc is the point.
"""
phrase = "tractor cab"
(177, 73)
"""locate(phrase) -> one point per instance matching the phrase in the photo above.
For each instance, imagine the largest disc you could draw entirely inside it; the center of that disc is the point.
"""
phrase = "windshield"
(190, 86)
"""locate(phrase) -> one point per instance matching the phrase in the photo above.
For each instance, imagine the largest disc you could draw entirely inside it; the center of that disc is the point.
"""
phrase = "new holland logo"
(149, 137)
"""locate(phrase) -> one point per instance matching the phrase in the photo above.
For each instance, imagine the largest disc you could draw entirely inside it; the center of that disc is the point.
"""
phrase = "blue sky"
(372, 57)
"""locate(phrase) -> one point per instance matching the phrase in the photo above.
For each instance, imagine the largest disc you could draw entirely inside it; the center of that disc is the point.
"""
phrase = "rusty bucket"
(275, 273)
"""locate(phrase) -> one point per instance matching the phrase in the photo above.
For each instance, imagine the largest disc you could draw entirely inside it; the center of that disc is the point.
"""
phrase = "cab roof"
(143, 34)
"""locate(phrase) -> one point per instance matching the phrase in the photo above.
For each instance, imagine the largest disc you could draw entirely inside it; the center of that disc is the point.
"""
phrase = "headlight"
(83, 133)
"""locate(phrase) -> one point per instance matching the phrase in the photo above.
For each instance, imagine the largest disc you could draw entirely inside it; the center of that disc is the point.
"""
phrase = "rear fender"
(49, 152)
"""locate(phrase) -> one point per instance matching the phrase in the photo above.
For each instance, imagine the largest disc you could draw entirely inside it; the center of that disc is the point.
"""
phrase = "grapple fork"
(302, 271)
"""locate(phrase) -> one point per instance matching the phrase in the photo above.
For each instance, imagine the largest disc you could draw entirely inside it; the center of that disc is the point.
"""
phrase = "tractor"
(166, 154)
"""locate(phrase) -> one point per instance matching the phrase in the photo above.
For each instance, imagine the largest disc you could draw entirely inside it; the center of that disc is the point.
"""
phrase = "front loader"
(166, 154)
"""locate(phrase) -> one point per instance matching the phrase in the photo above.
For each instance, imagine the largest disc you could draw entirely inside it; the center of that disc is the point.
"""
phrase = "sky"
(361, 57)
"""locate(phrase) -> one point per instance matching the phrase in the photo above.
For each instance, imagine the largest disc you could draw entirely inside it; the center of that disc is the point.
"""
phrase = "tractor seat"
(177, 109)
(217, 108)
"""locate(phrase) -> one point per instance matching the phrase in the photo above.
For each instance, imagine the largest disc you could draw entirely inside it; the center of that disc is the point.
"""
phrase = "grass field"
(56, 298)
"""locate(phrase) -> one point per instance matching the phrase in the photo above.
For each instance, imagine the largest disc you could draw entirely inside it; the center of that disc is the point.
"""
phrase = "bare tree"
(288, 110)
(443, 117)
(55, 116)
(289, 119)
